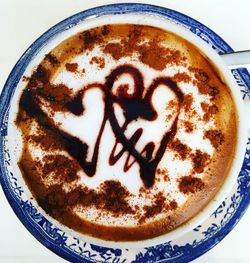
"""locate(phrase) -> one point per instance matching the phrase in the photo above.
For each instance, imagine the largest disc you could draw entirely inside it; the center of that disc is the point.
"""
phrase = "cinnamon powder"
(181, 77)
(159, 205)
(189, 184)
(98, 61)
(52, 59)
(189, 126)
(209, 111)
(156, 208)
(163, 173)
(72, 67)
(187, 103)
(63, 168)
(111, 197)
(90, 38)
(200, 160)
(216, 137)
(202, 82)
(180, 148)
(151, 53)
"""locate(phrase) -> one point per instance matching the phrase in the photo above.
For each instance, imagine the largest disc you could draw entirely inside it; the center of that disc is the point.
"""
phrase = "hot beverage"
(128, 132)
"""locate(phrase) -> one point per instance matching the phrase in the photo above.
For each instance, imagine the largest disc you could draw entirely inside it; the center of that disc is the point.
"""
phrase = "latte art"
(126, 134)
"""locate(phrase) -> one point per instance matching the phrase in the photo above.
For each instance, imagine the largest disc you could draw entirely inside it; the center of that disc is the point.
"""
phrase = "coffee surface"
(128, 132)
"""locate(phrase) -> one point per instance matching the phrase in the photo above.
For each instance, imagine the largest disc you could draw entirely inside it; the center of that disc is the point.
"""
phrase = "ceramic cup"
(157, 21)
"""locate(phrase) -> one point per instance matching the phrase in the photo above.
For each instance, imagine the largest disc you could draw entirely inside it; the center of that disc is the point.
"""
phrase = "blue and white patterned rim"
(185, 249)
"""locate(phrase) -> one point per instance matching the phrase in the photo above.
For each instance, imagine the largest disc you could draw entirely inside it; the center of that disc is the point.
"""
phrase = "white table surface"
(22, 21)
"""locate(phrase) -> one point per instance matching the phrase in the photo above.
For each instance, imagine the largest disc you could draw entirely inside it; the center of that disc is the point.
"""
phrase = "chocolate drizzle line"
(134, 106)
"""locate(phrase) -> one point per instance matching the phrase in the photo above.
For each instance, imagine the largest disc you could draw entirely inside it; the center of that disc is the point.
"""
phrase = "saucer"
(184, 249)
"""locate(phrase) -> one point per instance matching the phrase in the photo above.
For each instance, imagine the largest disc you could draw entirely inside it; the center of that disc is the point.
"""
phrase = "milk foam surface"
(87, 126)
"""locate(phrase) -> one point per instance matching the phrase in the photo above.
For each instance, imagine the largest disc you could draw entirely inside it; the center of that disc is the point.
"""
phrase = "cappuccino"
(128, 132)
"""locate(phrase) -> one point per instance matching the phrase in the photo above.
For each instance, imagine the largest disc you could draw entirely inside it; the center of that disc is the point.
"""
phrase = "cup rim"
(241, 141)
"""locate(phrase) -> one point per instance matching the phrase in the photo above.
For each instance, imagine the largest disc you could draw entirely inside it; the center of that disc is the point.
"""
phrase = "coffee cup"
(145, 21)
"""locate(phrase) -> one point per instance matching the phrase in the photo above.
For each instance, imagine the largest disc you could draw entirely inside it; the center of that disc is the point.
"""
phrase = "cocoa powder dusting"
(204, 106)
(213, 91)
(209, 111)
(205, 88)
(115, 50)
(57, 95)
(187, 103)
(159, 205)
(163, 173)
(72, 67)
(98, 61)
(55, 198)
(173, 205)
(52, 59)
(168, 117)
(200, 160)
(189, 184)
(156, 208)
(151, 53)
(200, 75)
(213, 109)
(189, 126)
(111, 197)
(90, 38)
(180, 148)
(202, 82)
(172, 104)
(63, 169)
(181, 77)
(39, 76)
(134, 36)
(157, 56)
(106, 30)
(126, 47)
(216, 137)
(46, 141)
(115, 198)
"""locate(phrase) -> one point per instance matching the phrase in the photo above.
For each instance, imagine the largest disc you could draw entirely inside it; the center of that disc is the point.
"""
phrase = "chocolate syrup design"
(135, 105)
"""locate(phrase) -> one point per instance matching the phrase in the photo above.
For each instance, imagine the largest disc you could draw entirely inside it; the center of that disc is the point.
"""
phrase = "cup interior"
(15, 139)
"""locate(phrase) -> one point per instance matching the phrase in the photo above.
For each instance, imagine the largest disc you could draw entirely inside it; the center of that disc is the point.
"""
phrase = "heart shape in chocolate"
(135, 105)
